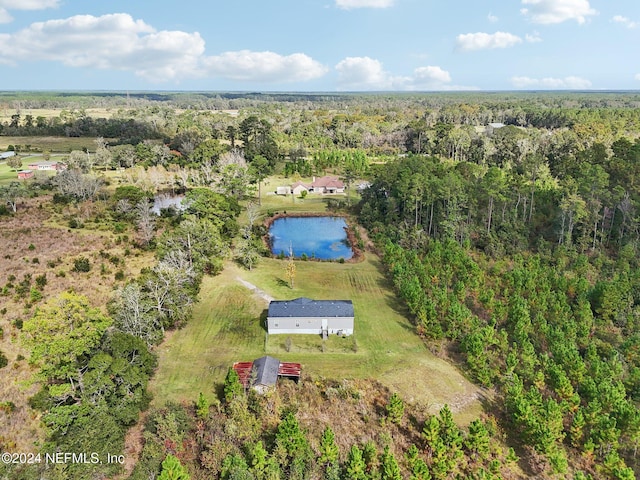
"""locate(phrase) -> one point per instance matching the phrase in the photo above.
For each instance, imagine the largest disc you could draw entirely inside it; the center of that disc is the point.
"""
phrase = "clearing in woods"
(227, 326)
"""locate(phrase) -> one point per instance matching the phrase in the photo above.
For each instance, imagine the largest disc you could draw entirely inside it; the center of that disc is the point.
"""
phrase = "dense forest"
(508, 223)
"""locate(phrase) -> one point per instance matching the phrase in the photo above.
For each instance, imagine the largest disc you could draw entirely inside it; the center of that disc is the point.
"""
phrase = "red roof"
(328, 182)
(286, 369)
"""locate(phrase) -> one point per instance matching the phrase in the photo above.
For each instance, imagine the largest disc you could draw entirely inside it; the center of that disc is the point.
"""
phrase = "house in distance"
(307, 316)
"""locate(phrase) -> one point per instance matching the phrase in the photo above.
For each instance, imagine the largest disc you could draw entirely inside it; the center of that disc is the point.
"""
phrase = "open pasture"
(228, 326)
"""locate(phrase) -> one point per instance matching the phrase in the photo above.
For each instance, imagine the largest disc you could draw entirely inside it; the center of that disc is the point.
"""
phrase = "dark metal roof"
(305, 307)
(266, 370)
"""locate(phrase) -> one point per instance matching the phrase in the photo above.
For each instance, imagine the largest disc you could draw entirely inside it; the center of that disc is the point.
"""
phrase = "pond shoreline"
(358, 254)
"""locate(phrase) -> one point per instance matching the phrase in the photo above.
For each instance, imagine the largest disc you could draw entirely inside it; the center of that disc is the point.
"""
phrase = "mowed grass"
(52, 144)
(227, 326)
(294, 203)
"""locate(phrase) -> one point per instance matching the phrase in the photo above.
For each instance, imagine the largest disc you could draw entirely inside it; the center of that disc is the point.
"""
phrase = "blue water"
(317, 237)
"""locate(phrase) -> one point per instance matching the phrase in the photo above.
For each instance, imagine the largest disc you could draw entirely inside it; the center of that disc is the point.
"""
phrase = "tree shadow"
(281, 282)
(263, 319)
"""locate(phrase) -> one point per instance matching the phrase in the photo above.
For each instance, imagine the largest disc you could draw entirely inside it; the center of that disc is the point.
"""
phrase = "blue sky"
(320, 45)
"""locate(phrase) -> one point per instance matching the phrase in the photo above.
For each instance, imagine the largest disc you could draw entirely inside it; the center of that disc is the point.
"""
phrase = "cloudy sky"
(320, 45)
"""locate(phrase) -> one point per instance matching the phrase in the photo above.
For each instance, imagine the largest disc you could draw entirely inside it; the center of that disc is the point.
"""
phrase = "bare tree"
(146, 223)
(162, 154)
(10, 194)
(76, 184)
(233, 157)
(80, 160)
(167, 290)
(124, 207)
(134, 314)
(253, 212)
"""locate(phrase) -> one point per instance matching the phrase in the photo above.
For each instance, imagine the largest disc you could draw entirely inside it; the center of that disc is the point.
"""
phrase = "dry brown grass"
(55, 247)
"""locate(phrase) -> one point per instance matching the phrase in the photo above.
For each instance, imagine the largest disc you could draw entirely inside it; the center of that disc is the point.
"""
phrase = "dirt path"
(261, 293)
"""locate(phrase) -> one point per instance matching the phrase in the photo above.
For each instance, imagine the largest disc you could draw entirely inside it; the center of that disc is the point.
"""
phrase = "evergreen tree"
(355, 468)
(232, 386)
(202, 406)
(172, 469)
(328, 448)
(395, 408)
(389, 469)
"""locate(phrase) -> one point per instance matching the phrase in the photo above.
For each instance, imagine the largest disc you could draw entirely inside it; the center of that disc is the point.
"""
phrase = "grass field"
(227, 326)
(52, 144)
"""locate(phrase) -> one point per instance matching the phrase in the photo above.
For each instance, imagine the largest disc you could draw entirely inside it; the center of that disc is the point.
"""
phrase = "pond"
(165, 200)
(324, 238)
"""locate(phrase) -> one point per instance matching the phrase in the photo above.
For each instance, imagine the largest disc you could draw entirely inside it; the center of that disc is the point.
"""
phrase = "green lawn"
(228, 321)
(293, 203)
(52, 144)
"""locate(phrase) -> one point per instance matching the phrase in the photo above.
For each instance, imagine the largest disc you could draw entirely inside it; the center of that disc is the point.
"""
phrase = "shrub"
(119, 275)
(35, 295)
(73, 223)
(35, 260)
(41, 281)
(81, 264)
(61, 274)
(18, 323)
(32, 246)
(3, 360)
(7, 407)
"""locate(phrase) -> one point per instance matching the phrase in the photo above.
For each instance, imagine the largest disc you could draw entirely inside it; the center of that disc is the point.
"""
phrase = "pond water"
(164, 200)
(324, 238)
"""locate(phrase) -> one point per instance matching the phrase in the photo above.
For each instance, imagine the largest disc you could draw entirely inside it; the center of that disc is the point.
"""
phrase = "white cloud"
(245, 65)
(558, 11)
(625, 21)
(118, 42)
(350, 4)
(549, 83)
(28, 4)
(365, 73)
(637, 77)
(533, 38)
(115, 42)
(492, 18)
(5, 17)
(482, 41)
(362, 73)
(6, 5)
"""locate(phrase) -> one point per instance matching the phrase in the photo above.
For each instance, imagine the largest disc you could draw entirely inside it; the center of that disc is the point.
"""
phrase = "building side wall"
(309, 325)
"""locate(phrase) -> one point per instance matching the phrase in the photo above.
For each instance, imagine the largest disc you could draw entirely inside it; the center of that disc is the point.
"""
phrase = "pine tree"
(258, 460)
(328, 448)
(370, 457)
(232, 386)
(478, 439)
(355, 466)
(417, 466)
(389, 469)
(395, 408)
(172, 469)
(202, 406)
